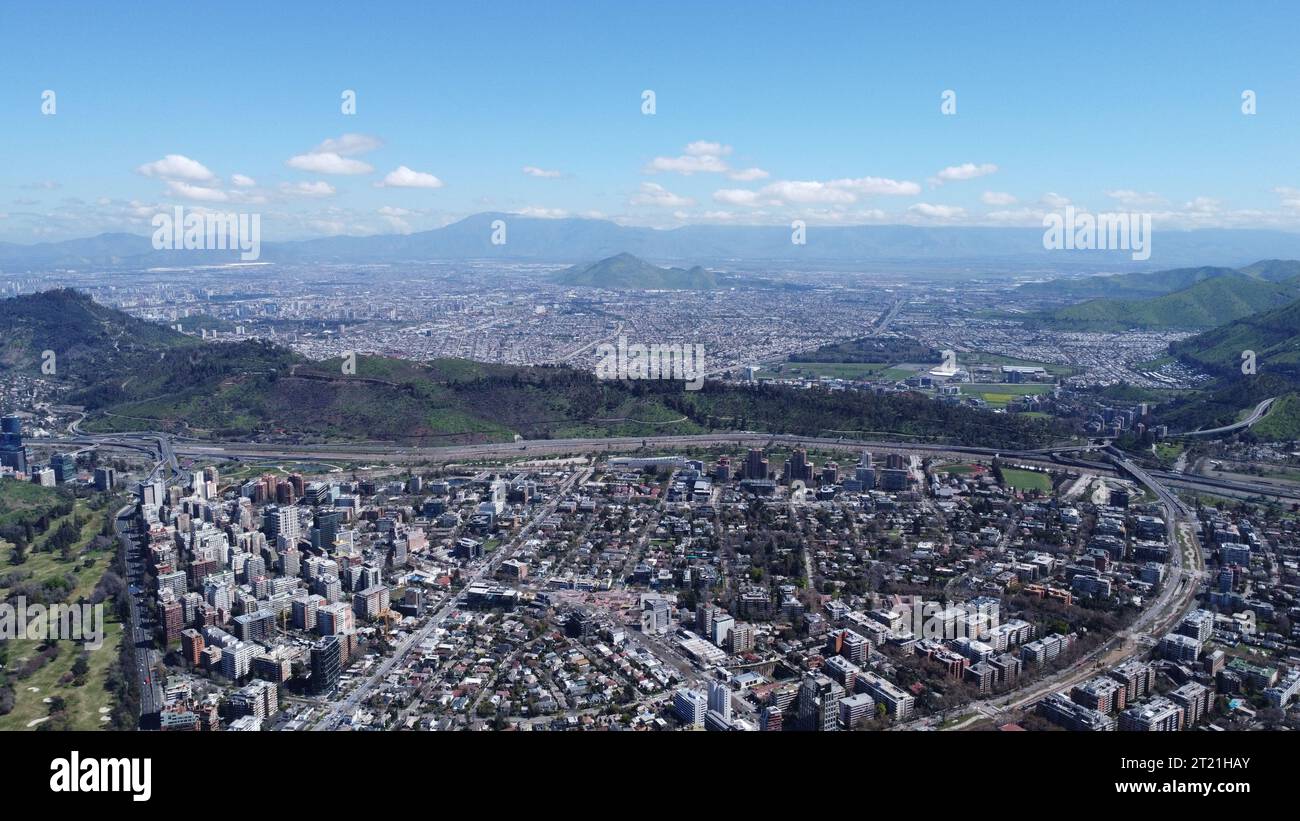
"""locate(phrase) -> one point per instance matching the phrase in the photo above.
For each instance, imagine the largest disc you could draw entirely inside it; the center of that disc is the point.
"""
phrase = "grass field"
(1000, 395)
(17, 499)
(1027, 479)
(1169, 451)
(1009, 388)
(87, 704)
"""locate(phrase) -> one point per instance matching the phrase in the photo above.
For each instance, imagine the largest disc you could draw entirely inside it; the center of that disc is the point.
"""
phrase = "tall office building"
(326, 530)
(65, 467)
(819, 697)
(282, 521)
(105, 479)
(797, 468)
(326, 664)
(720, 699)
(13, 453)
(690, 706)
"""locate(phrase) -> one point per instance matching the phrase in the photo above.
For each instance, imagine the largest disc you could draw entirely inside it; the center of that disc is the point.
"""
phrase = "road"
(1176, 597)
(1255, 416)
(383, 451)
(146, 657)
(168, 450)
(348, 704)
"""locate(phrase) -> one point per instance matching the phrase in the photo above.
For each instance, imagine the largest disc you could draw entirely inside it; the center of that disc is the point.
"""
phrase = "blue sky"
(824, 111)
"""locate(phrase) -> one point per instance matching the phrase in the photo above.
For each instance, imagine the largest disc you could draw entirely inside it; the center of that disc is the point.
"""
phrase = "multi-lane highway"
(167, 450)
(1176, 597)
(1255, 415)
(138, 632)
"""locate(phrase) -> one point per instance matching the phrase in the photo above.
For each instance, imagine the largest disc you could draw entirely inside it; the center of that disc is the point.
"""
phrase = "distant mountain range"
(979, 250)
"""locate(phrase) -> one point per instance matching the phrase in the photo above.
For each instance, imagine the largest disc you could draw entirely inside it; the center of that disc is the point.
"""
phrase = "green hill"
(1207, 303)
(1282, 422)
(1124, 286)
(1155, 283)
(1274, 337)
(1274, 270)
(87, 338)
(256, 390)
(626, 272)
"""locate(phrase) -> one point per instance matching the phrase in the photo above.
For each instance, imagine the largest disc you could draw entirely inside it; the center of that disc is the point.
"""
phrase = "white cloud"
(877, 185)
(655, 194)
(534, 171)
(1290, 197)
(392, 211)
(348, 145)
(805, 192)
(403, 177)
(737, 196)
(243, 181)
(1202, 205)
(844, 191)
(997, 198)
(201, 193)
(965, 171)
(704, 148)
(749, 174)
(938, 212)
(314, 190)
(1132, 198)
(1053, 200)
(43, 185)
(699, 157)
(687, 164)
(177, 167)
(329, 162)
(543, 213)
